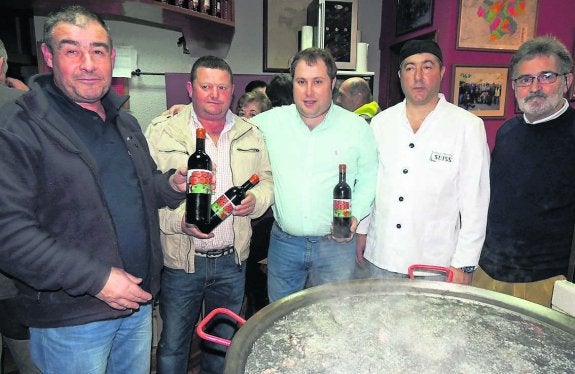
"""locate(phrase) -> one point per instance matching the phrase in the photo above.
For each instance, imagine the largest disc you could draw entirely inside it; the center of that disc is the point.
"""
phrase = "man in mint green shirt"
(306, 142)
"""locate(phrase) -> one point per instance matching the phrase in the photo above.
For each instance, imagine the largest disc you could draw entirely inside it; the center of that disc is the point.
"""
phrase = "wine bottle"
(222, 208)
(199, 192)
(342, 206)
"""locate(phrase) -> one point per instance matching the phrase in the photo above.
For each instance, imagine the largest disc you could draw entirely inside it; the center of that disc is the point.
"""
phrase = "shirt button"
(398, 226)
(401, 198)
(405, 171)
(411, 145)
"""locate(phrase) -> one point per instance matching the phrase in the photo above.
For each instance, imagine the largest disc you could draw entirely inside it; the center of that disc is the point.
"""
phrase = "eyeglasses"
(543, 78)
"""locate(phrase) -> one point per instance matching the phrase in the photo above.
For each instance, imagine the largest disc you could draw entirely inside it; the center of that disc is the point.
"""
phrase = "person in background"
(433, 177)
(199, 267)
(280, 90)
(12, 331)
(256, 85)
(80, 198)
(10, 88)
(306, 142)
(252, 103)
(355, 95)
(532, 208)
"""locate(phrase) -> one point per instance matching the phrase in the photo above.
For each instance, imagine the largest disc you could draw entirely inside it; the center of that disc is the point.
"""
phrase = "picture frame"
(283, 21)
(485, 25)
(413, 15)
(481, 90)
(571, 92)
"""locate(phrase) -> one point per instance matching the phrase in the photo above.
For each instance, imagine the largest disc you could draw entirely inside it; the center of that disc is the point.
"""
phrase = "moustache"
(535, 96)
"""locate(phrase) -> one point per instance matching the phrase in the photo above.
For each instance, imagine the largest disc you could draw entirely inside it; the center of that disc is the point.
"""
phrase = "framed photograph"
(495, 25)
(481, 89)
(412, 15)
(283, 21)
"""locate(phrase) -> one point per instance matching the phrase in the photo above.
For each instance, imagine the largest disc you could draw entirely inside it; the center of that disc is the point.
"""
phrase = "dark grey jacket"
(56, 230)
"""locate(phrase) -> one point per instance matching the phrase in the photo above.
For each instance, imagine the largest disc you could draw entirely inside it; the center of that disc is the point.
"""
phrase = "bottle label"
(342, 208)
(223, 207)
(199, 181)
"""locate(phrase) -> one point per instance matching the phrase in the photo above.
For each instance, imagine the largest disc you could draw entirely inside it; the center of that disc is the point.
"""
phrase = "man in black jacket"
(79, 195)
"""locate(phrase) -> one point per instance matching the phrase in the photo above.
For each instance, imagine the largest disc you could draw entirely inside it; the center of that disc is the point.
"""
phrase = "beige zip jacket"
(171, 143)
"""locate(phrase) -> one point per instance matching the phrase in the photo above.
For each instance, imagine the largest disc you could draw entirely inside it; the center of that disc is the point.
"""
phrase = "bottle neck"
(342, 176)
(200, 144)
(246, 186)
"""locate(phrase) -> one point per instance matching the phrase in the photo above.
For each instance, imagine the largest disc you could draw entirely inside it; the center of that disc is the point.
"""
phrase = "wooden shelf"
(204, 34)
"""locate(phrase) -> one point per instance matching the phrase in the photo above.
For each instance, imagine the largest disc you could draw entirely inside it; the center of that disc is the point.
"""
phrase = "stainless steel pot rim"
(259, 323)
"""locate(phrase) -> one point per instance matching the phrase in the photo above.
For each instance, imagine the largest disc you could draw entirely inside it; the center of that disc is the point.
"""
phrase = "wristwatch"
(468, 269)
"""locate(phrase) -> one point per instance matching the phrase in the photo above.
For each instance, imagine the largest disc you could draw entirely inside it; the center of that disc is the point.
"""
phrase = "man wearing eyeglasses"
(532, 207)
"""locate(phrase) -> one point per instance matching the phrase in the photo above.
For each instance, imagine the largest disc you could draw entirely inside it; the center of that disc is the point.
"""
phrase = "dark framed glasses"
(543, 78)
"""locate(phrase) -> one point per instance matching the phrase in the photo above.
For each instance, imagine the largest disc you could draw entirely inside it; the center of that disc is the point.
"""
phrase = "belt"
(215, 253)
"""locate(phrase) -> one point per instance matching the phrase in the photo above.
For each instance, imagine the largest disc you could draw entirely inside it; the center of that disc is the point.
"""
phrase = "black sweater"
(532, 207)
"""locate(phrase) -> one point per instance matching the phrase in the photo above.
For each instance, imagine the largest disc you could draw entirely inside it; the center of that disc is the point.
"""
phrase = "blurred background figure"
(252, 103)
(12, 332)
(256, 85)
(10, 88)
(280, 90)
(355, 95)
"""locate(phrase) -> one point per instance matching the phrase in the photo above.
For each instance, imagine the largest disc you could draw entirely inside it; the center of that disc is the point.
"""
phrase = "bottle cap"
(342, 168)
(254, 179)
(201, 133)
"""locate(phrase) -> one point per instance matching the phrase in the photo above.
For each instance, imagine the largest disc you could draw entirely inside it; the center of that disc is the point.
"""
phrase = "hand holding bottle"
(352, 228)
(192, 230)
(246, 207)
(178, 180)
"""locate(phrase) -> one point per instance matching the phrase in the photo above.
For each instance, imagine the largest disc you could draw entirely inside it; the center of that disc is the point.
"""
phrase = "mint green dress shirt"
(305, 164)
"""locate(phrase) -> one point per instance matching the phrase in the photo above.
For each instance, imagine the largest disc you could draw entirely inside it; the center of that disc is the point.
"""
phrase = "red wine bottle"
(199, 192)
(342, 206)
(222, 208)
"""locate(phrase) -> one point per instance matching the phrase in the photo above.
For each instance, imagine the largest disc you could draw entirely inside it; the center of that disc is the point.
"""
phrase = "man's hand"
(352, 229)
(193, 230)
(121, 291)
(360, 249)
(246, 206)
(174, 109)
(178, 180)
(461, 277)
(17, 84)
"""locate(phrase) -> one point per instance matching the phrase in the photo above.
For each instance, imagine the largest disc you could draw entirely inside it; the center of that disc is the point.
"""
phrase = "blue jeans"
(119, 345)
(218, 282)
(295, 262)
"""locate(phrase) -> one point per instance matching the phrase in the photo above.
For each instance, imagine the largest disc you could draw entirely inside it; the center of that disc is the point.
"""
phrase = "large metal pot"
(390, 326)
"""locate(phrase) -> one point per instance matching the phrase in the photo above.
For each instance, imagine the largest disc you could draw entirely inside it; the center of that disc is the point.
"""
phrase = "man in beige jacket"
(206, 268)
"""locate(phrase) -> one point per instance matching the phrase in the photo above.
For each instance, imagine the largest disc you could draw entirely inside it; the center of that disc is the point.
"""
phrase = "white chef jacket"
(432, 189)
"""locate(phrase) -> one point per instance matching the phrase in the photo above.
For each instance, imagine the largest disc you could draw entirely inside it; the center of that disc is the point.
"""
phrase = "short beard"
(544, 105)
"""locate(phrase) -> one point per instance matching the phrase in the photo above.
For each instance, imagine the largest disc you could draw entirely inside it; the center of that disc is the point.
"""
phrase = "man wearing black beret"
(433, 177)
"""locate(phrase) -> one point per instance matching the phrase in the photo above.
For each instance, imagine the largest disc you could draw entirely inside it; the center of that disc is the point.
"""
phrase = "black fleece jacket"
(56, 232)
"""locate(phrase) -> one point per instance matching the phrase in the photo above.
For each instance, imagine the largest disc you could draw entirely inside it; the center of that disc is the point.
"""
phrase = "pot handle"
(447, 271)
(207, 319)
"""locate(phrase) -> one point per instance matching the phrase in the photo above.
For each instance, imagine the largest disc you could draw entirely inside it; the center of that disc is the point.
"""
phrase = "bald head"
(353, 93)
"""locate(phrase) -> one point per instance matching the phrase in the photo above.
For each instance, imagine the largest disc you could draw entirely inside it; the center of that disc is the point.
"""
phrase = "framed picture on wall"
(481, 89)
(282, 22)
(495, 25)
(412, 15)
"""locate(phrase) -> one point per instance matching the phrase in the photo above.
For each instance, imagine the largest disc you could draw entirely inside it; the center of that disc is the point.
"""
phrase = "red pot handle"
(214, 339)
(448, 271)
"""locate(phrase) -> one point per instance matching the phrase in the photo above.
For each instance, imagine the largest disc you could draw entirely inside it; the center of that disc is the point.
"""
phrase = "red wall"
(554, 17)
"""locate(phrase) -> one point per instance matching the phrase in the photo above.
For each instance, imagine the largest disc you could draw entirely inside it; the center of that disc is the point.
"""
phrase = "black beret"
(412, 47)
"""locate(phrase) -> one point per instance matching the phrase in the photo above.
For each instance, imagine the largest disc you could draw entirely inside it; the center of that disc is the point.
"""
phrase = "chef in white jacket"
(433, 177)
